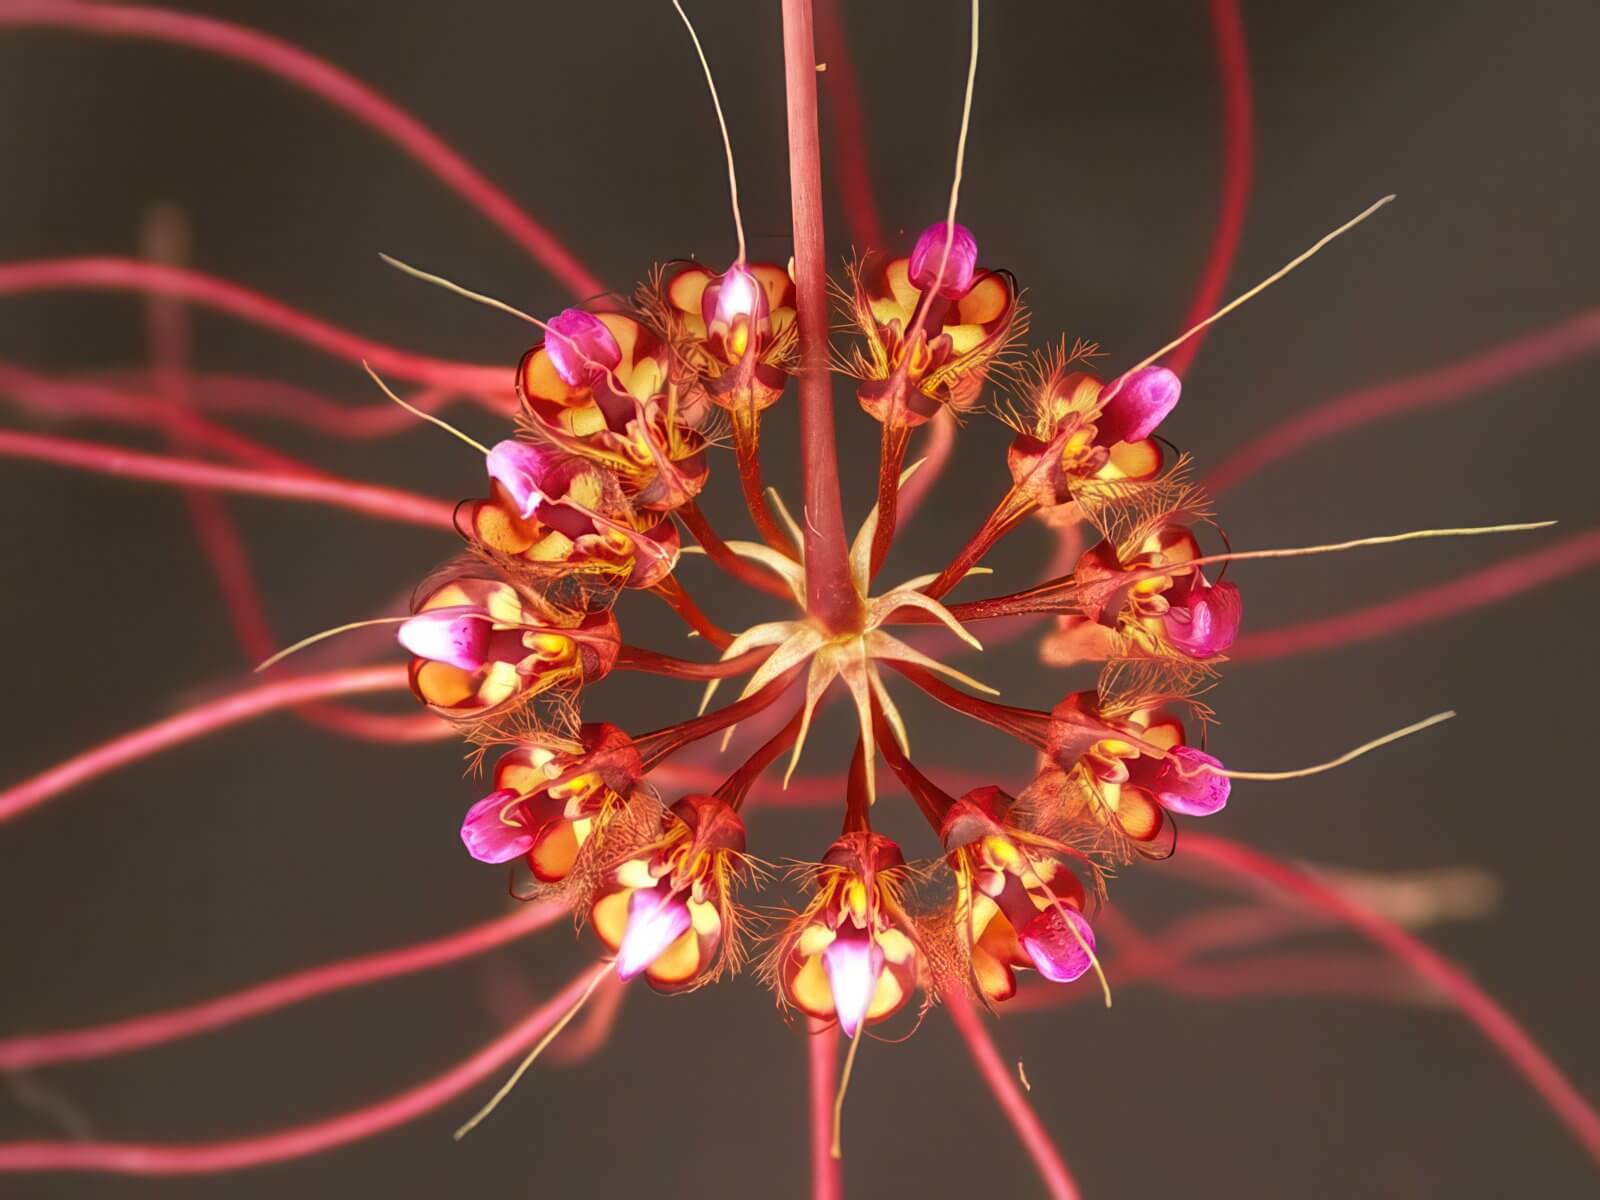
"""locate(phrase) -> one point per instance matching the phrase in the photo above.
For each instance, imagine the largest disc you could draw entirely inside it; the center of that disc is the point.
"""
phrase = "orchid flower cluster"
(623, 409)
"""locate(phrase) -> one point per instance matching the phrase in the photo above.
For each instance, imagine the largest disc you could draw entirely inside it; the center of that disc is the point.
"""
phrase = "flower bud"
(495, 828)
(1206, 620)
(1135, 404)
(929, 252)
(1060, 943)
(580, 346)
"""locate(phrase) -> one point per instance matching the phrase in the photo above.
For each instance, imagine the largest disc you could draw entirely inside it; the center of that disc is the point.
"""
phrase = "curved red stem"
(323, 79)
(1579, 334)
(851, 161)
(229, 709)
(371, 499)
(1486, 586)
(23, 1052)
(1053, 1173)
(301, 1141)
(1238, 152)
(132, 275)
(1492, 1021)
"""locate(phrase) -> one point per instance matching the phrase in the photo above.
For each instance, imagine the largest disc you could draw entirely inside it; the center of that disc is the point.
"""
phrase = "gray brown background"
(1092, 174)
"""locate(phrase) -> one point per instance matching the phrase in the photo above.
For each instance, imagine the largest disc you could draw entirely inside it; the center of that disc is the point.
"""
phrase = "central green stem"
(830, 596)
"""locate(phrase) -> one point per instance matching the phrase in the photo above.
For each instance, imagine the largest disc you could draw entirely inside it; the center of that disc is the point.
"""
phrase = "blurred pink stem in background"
(1485, 586)
(1524, 1055)
(1577, 335)
(131, 275)
(373, 500)
(1002, 1081)
(848, 123)
(300, 1141)
(26, 1051)
(1238, 153)
(327, 81)
(229, 709)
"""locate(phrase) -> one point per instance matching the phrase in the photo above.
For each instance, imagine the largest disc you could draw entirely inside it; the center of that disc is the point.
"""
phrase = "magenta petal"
(580, 346)
(1139, 402)
(853, 962)
(1185, 786)
(656, 918)
(1207, 622)
(457, 634)
(958, 269)
(493, 831)
(1060, 951)
(516, 467)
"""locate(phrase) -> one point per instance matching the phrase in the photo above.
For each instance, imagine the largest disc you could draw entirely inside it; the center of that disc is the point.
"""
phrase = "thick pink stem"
(133, 1158)
(230, 709)
(322, 79)
(1486, 586)
(26, 1051)
(822, 1066)
(131, 275)
(1057, 1180)
(1520, 1050)
(1538, 351)
(830, 596)
(371, 499)
(1233, 70)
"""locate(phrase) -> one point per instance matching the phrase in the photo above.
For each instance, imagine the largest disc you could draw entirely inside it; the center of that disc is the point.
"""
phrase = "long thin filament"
(538, 1049)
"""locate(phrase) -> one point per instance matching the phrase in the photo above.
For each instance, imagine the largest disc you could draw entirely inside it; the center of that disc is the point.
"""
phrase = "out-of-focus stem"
(672, 593)
(822, 1057)
(1487, 586)
(1579, 334)
(300, 1141)
(1238, 152)
(129, 274)
(388, 503)
(202, 719)
(849, 127)
(323, 79)
(1053, 1173)
(830, 596)
(26, 1051)
(1492, 1021)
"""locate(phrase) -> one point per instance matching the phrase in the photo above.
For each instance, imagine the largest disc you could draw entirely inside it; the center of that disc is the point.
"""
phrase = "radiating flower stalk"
(625, 406)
